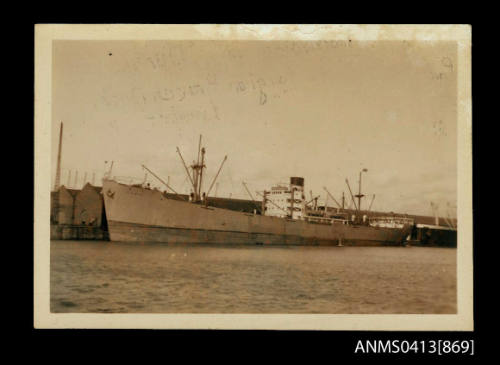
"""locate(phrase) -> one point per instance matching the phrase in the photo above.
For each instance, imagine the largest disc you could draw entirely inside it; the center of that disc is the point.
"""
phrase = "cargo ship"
(138, 213)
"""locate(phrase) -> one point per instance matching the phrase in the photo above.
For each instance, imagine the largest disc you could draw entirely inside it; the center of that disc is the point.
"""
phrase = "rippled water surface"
(91, 276)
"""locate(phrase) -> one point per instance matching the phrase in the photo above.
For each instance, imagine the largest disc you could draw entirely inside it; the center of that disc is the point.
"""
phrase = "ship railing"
(129, 180)
(339, 220)
(318, 219)
(325, 220)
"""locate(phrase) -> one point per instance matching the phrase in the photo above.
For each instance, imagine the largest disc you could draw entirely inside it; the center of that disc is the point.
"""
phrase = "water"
(112, 277)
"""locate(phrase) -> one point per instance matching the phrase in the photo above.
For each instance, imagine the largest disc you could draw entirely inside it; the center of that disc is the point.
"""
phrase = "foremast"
(196, 175)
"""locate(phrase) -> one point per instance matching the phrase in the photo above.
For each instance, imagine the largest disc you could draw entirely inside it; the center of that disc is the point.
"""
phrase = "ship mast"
(58, 171)
(200, 167)
(359, 196)
(197, 169)
(197, 173)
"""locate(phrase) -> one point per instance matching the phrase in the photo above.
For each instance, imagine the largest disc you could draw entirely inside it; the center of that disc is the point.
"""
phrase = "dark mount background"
(164, 347)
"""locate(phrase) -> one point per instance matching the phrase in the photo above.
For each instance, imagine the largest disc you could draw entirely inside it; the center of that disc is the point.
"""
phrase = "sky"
(321, 110)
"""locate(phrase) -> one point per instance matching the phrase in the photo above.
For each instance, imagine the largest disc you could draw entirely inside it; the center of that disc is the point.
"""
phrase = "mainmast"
(359, 196)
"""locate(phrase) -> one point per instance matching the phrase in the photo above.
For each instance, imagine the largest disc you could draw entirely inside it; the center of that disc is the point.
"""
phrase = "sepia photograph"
(253, 177)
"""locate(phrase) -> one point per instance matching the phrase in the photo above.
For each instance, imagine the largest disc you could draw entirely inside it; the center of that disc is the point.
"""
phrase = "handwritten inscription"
(446, 68)
(439, 128)
(173, 115)
(158, 99)
(437, 75)
(447, 63)
(175, 94)
(263, 89)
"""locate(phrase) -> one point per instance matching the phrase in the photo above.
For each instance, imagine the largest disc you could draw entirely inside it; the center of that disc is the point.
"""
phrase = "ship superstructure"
(286, 201)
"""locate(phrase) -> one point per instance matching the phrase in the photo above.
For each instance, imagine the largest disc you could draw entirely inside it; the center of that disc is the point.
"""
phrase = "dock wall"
(77, 232)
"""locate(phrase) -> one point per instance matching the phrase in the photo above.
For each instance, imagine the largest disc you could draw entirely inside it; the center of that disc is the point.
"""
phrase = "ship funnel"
(297, 181)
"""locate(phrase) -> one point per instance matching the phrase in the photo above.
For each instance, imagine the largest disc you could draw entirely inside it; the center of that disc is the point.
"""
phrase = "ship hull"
(136, 214)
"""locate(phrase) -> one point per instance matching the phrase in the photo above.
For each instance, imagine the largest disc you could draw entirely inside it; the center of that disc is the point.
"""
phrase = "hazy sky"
(319, 110)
